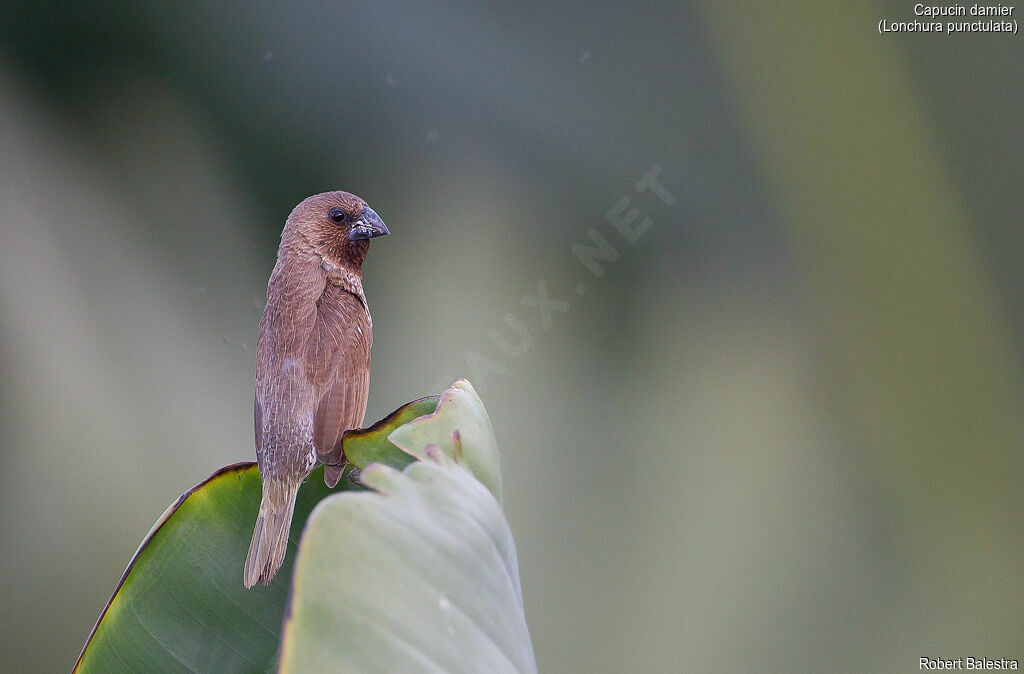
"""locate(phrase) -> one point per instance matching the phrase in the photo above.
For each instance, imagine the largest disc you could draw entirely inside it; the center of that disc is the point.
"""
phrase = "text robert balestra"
(934, 664)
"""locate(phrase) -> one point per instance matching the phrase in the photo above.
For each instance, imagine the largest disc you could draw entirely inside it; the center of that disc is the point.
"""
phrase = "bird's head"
(338, 227)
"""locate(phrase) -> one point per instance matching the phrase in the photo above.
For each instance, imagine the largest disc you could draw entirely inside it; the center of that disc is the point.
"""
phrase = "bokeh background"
(782, 432)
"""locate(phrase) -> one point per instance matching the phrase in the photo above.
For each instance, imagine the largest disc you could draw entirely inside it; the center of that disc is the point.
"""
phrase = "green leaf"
(460, 409)
(370, 445)
(423, 572)
(421, 576)
(181, 606)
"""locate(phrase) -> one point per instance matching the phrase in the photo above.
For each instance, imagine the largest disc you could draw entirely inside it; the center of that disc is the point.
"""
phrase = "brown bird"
(312, 360)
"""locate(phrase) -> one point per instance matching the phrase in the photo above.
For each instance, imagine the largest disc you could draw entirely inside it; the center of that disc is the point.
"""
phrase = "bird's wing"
(338, 361)
(257, 419)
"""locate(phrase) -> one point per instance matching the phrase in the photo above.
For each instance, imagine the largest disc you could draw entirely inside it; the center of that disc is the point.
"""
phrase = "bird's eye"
(337, 215)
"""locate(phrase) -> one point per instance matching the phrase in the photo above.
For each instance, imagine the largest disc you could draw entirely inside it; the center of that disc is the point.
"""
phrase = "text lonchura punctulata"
(312, 360)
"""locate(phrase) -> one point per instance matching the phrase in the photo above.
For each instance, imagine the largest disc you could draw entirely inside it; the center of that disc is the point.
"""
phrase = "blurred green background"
(781, 432)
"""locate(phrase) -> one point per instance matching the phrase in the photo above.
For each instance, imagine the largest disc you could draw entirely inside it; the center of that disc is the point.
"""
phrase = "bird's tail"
(270, 535)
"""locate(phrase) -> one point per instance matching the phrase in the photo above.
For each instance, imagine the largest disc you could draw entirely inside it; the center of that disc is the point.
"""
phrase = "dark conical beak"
(367, 226)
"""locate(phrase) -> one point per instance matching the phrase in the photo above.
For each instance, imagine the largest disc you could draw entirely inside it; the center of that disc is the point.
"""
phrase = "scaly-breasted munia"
(312, 360)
